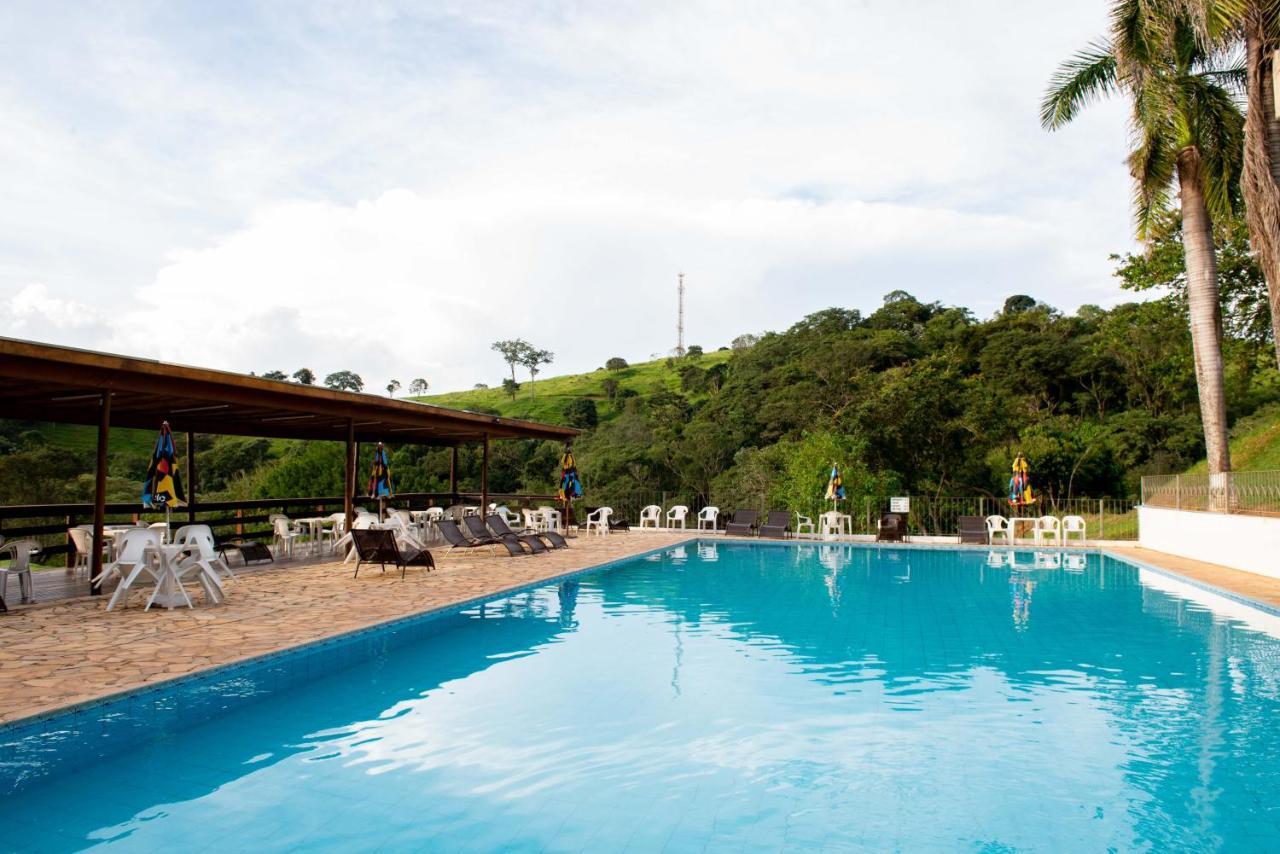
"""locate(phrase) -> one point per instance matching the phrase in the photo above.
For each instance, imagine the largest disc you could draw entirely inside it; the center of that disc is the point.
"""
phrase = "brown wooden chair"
(891, 528)
(973, 529)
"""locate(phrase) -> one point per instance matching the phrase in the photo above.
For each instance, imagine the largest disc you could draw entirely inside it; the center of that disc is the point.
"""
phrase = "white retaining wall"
(1251, 543)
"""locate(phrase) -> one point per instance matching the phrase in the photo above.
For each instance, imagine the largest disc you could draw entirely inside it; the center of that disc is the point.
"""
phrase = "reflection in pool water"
(774, 696)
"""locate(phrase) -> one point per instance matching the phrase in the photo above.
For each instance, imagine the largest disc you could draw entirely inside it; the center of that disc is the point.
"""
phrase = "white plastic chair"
(805, 524)
(512, 519)
(133, 560)
(1073, 525)
(20, 553)
(599, 520)
(163, 528)
(533, 520)
(707, 517)
(997, 526)
(550, 518)
(677, 514)
(283, 535)
(651, 517)
(200, 538)
(1047, 528)
(82, 542)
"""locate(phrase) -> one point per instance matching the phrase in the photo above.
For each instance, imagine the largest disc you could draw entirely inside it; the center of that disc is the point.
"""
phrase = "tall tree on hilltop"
(533, 360)
(1187, 129)
(513, 352)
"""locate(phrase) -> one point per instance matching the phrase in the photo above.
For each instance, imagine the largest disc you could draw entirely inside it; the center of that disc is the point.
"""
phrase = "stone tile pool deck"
(74, 651)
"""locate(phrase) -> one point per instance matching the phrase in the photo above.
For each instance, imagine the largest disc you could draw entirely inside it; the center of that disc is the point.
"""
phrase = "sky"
(390, 187)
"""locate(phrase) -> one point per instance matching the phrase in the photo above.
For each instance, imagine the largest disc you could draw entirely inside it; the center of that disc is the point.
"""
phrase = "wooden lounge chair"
(891, 528)
(478, 530)
(743, 524)
(457, 540)
(499, 526)
(973, 529)
(378, 545)
(776, 524)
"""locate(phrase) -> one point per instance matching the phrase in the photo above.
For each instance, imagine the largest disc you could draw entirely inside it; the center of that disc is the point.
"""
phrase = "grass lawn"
(551, 394)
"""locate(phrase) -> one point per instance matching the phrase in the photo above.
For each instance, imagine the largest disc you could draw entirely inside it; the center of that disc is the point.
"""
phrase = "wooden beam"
(100, 490)
(191, 478)
(349, 490)
(453, 475)
(484, 478)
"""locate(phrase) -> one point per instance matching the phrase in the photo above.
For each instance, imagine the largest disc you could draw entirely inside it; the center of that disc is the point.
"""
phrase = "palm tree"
(1257, 24)
(1187, 128)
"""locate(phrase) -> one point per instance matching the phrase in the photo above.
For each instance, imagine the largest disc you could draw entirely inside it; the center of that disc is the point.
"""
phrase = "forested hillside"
(915, 397)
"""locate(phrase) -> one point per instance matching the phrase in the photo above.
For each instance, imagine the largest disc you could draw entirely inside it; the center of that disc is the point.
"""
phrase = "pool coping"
(219, 670)
(216, 671)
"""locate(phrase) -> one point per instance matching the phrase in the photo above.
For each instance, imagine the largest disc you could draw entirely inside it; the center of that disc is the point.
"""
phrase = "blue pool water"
(716, 697)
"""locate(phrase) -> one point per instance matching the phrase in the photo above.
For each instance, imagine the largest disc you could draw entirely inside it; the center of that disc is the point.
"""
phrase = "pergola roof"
(42, 382)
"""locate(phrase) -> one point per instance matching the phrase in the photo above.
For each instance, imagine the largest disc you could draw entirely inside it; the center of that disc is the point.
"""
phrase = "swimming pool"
(716, 696)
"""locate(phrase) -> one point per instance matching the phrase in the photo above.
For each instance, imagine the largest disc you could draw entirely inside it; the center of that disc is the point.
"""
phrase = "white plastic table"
(1025, 521)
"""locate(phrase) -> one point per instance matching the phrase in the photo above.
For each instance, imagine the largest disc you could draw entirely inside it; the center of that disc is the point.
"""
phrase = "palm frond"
(1219, 135)
(1152, 165)
(1081, 80)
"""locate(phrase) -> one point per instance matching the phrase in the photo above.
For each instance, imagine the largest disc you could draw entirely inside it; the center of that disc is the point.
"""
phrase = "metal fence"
(1105, 518)
(1256, 492)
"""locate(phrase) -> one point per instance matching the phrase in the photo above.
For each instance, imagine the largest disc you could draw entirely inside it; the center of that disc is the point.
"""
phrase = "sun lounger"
(743, 524)
(499, 526)
(378, 545)
(457, 540)
(777, 524)
(249, 550)
(478, 530)
(973, 529)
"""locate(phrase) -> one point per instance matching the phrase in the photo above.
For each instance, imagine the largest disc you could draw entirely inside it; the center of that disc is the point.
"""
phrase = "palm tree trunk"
(1260, 183)
(1204, 309)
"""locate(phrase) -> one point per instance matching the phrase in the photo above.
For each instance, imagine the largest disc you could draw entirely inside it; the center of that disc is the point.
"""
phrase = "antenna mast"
(680, 316)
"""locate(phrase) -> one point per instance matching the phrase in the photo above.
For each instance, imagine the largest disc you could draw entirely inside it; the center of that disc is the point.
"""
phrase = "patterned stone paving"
(68, 652)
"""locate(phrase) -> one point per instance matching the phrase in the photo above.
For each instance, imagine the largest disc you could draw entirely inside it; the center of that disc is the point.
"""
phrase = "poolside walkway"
(74, 650)
(1251, 585)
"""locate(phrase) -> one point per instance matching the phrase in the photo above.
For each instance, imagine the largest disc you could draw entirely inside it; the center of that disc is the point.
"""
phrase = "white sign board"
(900, 505)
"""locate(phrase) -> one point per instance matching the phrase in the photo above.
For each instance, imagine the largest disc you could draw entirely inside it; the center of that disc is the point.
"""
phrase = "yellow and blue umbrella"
(380, 478)
(163, 486)
(570, 485)
(835, 486)
(1020, 494)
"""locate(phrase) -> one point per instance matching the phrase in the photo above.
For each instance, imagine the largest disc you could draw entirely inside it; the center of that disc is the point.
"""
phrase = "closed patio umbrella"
(570, 485)
(835, 486)
(163, 486)
(380, 478)
(1020, 494)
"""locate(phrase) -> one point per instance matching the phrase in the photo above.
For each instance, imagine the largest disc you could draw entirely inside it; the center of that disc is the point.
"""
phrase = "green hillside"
(1255, 443)
(550, 395)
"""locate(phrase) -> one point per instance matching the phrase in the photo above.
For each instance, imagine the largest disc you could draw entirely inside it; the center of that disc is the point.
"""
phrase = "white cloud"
(390, 189)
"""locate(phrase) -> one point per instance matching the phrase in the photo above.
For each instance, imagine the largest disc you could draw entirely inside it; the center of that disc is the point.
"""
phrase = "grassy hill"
(551, 394)
(1255, 443)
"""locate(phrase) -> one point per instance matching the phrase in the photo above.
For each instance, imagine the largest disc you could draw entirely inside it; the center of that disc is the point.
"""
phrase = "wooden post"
(71, 547)
(191, 478)
(453, 475)
(484, 479)
(349, 490)
(100, 491)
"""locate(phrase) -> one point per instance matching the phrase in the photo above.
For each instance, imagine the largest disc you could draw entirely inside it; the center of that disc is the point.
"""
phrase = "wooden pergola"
(42, 382)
